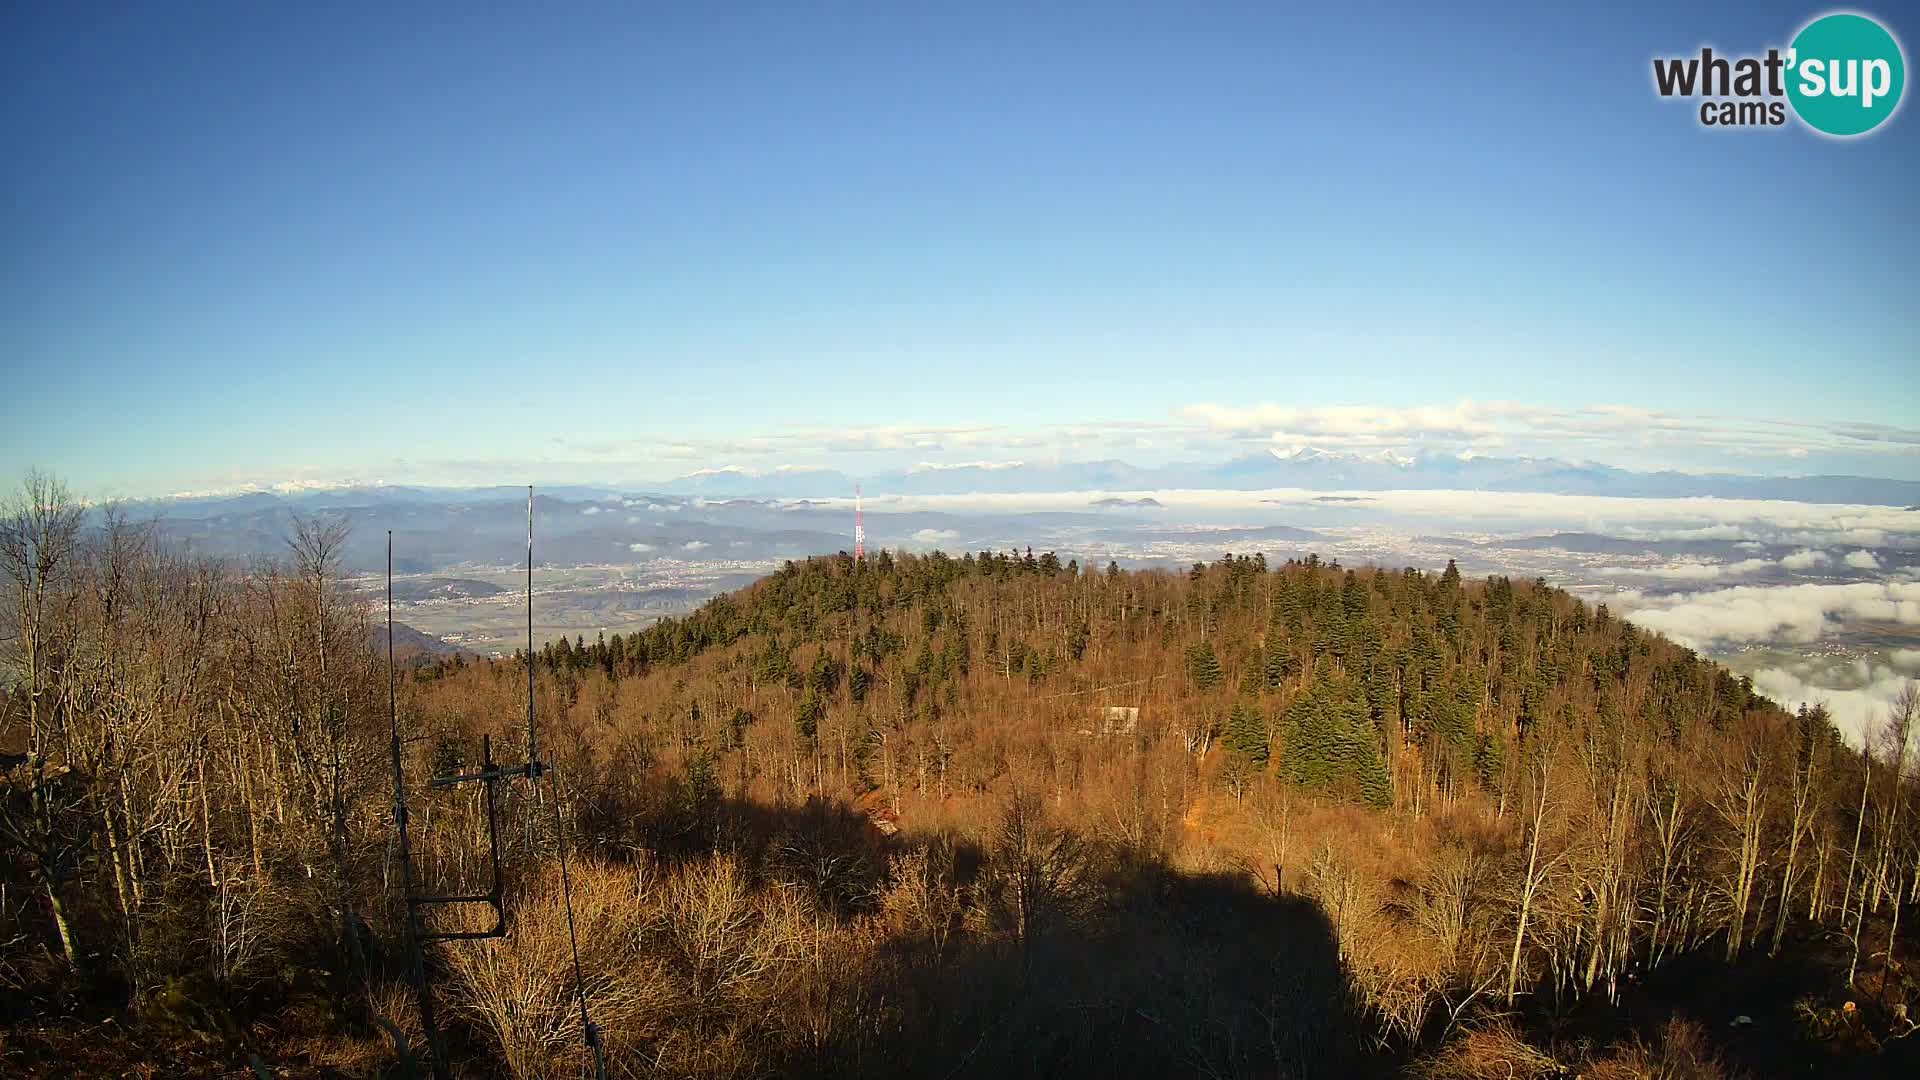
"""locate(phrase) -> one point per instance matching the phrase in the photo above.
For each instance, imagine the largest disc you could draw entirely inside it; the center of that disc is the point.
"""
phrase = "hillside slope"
(1493, 793)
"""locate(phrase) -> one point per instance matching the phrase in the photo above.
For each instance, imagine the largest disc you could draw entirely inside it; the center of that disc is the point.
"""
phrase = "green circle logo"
(1845, 74)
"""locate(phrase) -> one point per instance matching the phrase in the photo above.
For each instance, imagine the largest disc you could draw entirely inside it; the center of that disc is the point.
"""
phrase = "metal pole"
(422, 987)
(533, 755)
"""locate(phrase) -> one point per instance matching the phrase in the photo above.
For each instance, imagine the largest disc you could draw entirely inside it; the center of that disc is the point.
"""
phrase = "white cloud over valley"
(1805, 559)
(1857, 707)
(1751, 614)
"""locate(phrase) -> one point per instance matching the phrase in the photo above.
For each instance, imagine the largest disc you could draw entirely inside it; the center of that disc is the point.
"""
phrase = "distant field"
(483, 608)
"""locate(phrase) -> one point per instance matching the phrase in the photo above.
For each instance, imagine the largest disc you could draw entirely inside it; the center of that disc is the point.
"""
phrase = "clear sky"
(251, 242)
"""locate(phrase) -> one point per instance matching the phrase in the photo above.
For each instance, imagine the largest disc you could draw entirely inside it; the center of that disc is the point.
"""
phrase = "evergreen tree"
(1279, 662)
(1203, 667)
(806, 719)
(1312, 741)
(1247, 733)
(824, 677)
(1077, 639)
(1375, 784)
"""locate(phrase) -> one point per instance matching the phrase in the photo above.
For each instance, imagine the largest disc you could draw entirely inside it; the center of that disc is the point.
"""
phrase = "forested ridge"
(931, 815)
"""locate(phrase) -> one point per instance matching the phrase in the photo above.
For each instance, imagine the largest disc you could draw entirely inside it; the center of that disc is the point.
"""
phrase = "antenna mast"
(490, 775)
(859, 528)
(533, 757)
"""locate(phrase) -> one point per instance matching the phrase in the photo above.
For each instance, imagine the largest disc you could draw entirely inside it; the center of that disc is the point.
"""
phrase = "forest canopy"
(916, 814)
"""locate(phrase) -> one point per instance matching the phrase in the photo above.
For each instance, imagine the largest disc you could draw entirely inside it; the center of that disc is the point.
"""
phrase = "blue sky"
(627, 242)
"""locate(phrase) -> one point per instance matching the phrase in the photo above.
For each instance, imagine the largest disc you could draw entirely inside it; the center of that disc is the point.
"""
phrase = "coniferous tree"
(1247, 733)
(1203, 666)
(807, 717)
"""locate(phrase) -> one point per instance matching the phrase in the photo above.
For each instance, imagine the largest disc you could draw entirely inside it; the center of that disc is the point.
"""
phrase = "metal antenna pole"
(589, 1029)
(435, 1054)
(533, 755)
(491, 774)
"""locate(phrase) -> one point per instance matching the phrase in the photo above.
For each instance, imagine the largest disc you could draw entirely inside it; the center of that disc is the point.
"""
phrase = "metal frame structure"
(490, 775)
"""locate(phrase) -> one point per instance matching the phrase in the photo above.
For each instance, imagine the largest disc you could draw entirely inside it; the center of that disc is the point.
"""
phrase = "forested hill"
(1391, 687)
(1496, 793)
(1502, 800)
(918, 815)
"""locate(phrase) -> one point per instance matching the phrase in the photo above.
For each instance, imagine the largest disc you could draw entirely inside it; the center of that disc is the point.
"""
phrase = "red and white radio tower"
(859, 528)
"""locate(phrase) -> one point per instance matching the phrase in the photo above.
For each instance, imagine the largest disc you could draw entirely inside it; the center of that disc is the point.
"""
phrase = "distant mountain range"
(1303, 467)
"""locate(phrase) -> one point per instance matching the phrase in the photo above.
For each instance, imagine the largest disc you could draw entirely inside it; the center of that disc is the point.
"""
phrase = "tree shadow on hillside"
(1195, 976)
(1751, 1012)
(1167, 973)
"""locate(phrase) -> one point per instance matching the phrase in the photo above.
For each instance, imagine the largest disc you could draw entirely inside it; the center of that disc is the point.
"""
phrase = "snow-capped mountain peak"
(1301, 453)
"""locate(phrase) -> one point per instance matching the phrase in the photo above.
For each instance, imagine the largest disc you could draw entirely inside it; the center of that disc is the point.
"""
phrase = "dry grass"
(395, 1003)
(1682, 1052)
(711, 923)
(520, 992)
(1495, 1049)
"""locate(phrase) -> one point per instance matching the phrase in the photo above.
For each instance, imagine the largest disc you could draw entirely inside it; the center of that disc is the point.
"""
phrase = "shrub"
(519, 991)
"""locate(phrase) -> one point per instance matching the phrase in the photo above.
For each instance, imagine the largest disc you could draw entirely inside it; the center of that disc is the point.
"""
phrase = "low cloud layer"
(1752, 615)
(1692, 570)
(1857, 708)
(1771, 521)
(1805, 559)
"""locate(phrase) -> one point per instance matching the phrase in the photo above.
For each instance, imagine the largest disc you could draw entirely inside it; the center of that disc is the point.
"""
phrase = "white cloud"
(1620, 435)
(1483, 424)
(1770, 520)
(694, 545)
(992, 466)
(1855, 708)
(1754, 614)
(638, 548)
(1805, 559)
(1907, 660)
(1463, 419)
(1703, 570)
(1691, 570)
(935, 536)
(591, 510)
